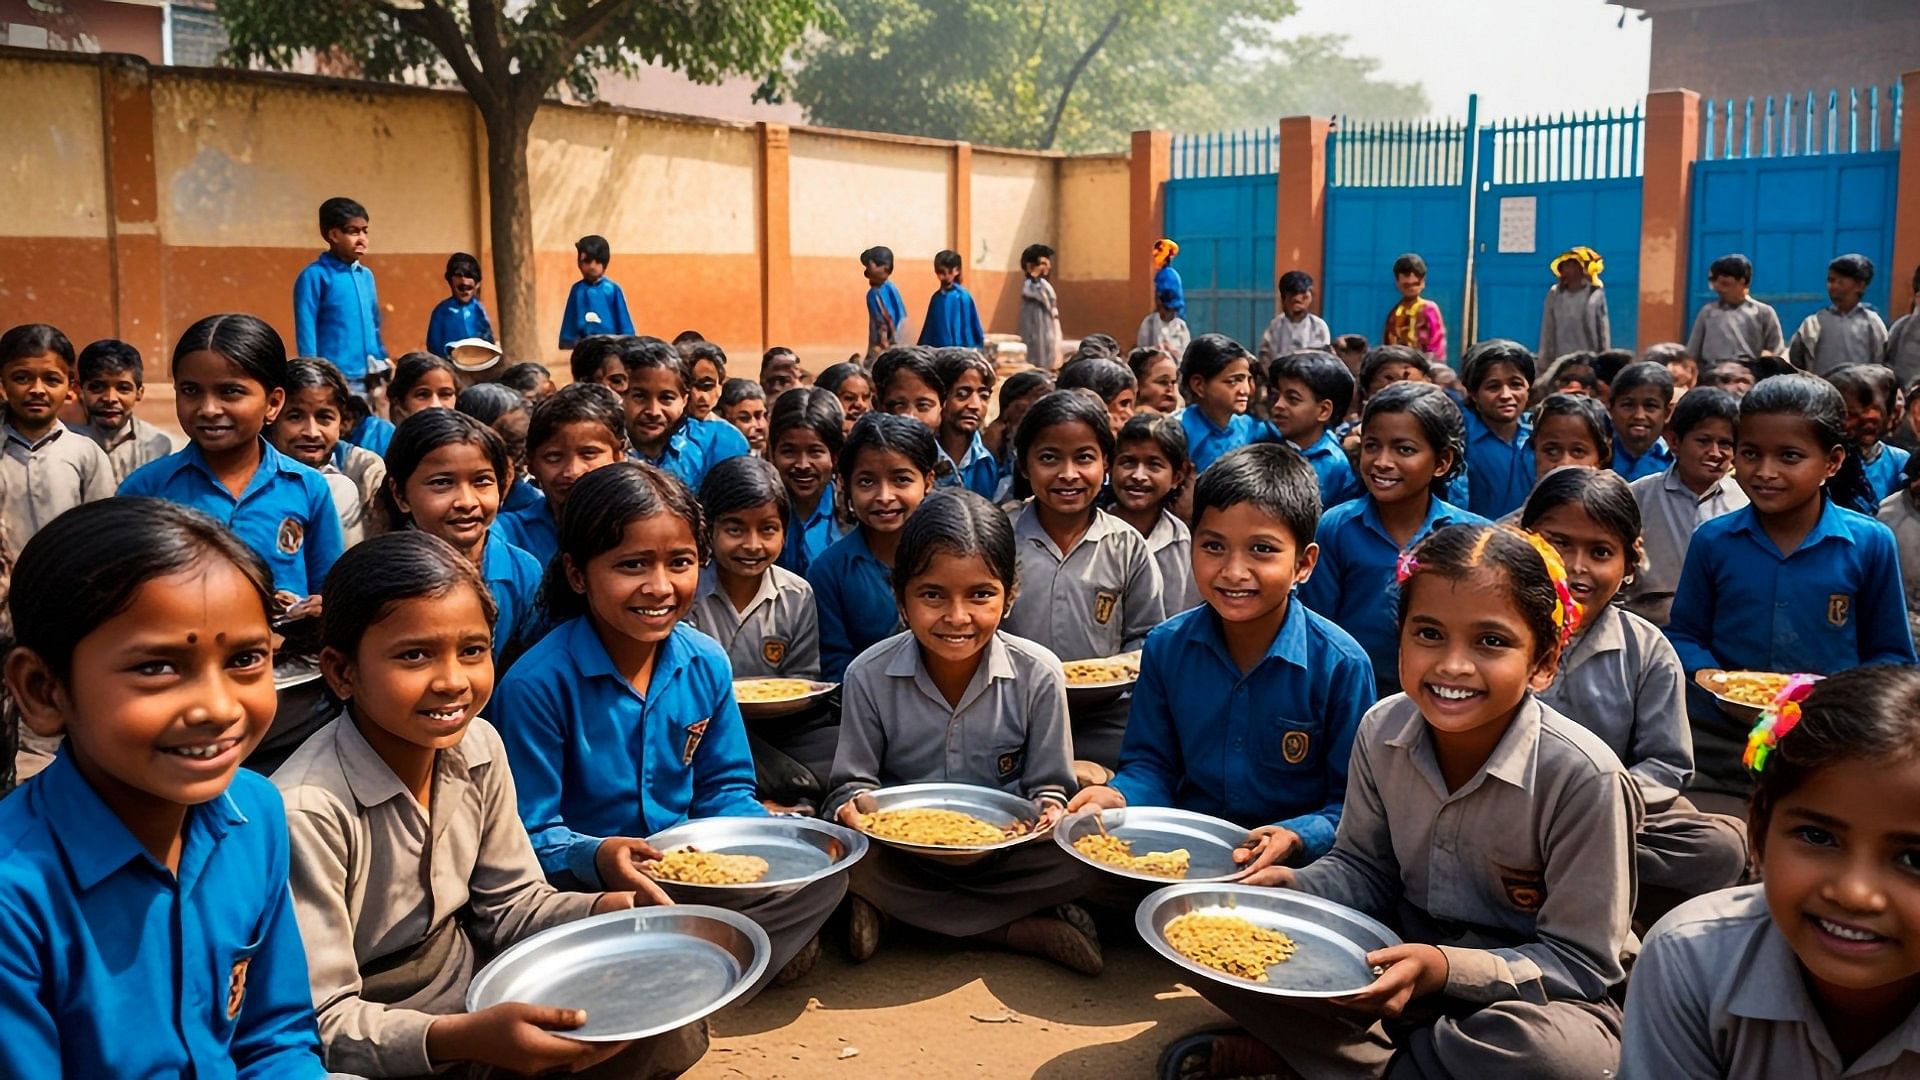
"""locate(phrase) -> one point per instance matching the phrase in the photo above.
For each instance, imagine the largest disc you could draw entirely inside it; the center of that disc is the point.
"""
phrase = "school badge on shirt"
(773, 650)
(1526, 890)
(694, 735)
(1103, 604)
(1009, 763)
(1838, 607)
(292, 533)
(1294, 746)
(237, 987)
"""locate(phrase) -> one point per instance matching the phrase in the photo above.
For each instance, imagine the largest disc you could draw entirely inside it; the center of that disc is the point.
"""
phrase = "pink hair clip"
(1406, 567)
(1778, 719)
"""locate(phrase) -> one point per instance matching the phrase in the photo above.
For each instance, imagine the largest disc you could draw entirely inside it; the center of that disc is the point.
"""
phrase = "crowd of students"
(1428, 635)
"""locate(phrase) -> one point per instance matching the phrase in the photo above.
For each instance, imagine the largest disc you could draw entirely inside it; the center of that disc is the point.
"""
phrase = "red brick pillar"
(1150, 165)
(776, 248)
(1666, 192)
(1300, 200)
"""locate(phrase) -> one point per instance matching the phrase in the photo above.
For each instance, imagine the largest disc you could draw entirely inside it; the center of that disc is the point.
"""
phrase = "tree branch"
(435, 24)
(1073, 76)
(487, 41)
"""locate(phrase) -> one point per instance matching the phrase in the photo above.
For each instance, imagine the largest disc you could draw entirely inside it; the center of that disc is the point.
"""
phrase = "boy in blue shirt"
(336, 311)
(952, 319)
(461, 315)
(1311, 391)
(595, 304)
(886, 311)
(966, 387)
(1498, 376)
(1247, 706)
(1640, 405)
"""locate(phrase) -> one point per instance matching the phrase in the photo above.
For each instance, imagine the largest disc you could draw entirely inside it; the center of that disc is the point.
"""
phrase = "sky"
(1533, 56)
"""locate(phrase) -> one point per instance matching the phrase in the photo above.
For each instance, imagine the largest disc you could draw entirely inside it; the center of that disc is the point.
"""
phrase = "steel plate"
(1333, 939)
(1210, 842)
(991, 805)
(762, 710)
(799, 851)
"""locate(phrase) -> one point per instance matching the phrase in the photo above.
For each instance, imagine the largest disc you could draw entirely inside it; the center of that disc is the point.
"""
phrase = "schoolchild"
(1295, 328)
(595, 304)
(112, 381)
(1039, 307)
(1165, 327)
(596, 359)
(1640, 402)
(229, 382)
(461, 315)
(46, 468)
(1413, 441)
(530, 379)
(780, 371)
(886, 469)
(1903, 339)
(1868, 392)
(1493, 832)
(1792, 582)
(577, 430)
(1698, 487)
(1570, 429)
(1620, 679)
(1247, 706)
(966, 389)
(1216, 375)
(363, 427)
(1089, 583)
(1673, 356)
(1497, 375)
(410, 863)
(1806, 974)
(444, 476)
(1734, 326)
(1311, 391)
(1844, 332)
(706, 374)
(908, 384)
(959, 698)
(1574, 317)
(422, 381)
(853, 385)
(744, 405)
(1149, 476)
(886, 311)
(144, 910)
(1017, 395)
(658, 428)
(1414, 321)
(1156, 374)
(1110, 380)
(336, 309)
(760, 612)
(508, 414)
(1900, 512)
(805, 436)
(952, 319)
(622, 669)
(308, 431)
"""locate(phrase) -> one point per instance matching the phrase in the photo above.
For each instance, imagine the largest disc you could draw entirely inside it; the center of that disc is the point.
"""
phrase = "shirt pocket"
(1290, 746)
(231, 978)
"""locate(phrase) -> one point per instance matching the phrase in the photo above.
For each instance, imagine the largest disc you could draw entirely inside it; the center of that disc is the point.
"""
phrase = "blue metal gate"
(1791, 190)
(1220, 206)
(1394, 188)
(1547, 185)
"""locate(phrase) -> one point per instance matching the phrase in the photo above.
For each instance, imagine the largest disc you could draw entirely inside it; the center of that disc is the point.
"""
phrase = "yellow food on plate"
(690, 867)
(767, 691)
(1117, 852)
(1749, 687)
(937, 828)
(1230, 944)
(1111, 669)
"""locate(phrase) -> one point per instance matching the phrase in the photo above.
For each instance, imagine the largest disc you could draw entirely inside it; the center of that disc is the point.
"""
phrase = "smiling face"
(655, 401)
(965, 406)
(435, 390)
(308, 427)
(109, 398)
(1845, 292)
(804, 462)
(883, 488)
(1596, 561)
(640, 587)
(219, 405)
(165, 699)
(954, 606)
(911, 396)
(1065, 466)
(746, 542)
(1466, 656)
(1866, 421)
(1639, 416)
(1396, 460)
(453, 494)
(1247, 562)
(703, 389)
(1779, 462)
(1840, 857)
(1296, 305)
(749, 417)
(1704, 454)
(1565, 440)
(1295, 410)
(462, 286)
(422, 672)
(571, 452)
(1501, 395)
(36, 387)
(1410, 285)
(1160, 386)
(1143, 476)
(1227, 393)
(856, 399)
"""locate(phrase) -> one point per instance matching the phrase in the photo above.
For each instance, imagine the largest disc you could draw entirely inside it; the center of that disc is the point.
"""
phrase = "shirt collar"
(1513, 760)
(591, 659)
(96, 842)
(340, 265)
(116, 439)
(1206, 422)
(1773, 987)
(372, 780)
(675, 447)
(1437, 512)
(271, 462)
(1829, 527)
(766, 593)
(905, 662)
(1027, 527)
(1289, 643)
(496, 559)
(1606, 633)
(822, 510)
(1679, 488)
(13, 434)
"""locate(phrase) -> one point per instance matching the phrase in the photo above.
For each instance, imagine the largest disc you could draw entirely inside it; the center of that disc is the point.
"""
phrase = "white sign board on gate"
(1517, 216)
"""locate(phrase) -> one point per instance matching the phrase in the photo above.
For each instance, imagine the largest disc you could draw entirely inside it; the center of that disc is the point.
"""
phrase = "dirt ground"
(923, 1007)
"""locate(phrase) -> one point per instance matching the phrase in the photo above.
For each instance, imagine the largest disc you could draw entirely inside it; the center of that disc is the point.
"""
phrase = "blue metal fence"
(1791, 185)
(1548, 184)
(1220, 207)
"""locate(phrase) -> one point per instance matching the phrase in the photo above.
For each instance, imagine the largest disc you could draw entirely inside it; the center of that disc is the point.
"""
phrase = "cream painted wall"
(849, 194)
(1093, 219)
(1013, 206)
(53, 181)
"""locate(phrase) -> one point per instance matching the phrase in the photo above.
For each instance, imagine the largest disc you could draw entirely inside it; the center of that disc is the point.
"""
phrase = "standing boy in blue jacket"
(461, 315)
(595, 305)
(952, 318)
(336, 312)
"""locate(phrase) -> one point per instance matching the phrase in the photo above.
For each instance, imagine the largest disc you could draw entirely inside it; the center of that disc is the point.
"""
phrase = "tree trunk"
(510, 217)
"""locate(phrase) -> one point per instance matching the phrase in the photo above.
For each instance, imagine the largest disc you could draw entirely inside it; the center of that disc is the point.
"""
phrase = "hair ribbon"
(1776, 720)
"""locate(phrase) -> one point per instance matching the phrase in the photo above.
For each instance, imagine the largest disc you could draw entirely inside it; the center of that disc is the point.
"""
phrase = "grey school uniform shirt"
(1621, 680)
(373, 874)
(1009, 730)
(1898, 512)
(776, 637)
(1717, 992)
(1285, 336)
(1742, 331)
(1902, 353)
(1574, 322)
(1171, 545)
(1524, 877)
(1669, 513)
(1099, 599)
(135, 444)
(41, 480)
(1830, 339)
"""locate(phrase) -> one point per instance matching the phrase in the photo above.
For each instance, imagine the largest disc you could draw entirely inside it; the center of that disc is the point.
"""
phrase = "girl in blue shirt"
(570, 434)
(1498, 376)
(229, 381)
(805, 436)
(144, 910)
(422, 381)
(444, 474)
(885, 469)
(1412, 439)
(1217, 376)
(622, 721)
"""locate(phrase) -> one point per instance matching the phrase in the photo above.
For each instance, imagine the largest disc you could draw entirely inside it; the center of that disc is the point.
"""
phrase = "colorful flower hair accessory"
(1776, 720)
(1406, 567)
(1566, 610)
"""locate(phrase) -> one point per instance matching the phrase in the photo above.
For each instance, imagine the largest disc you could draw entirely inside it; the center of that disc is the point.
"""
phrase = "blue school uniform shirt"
(978, 472)
(513, 576)
(115, 966)
(371, 434)
(532, 529)
(1657, 459)
(1338, 481)
(453, 321)
(718, 439)
(1207, 443)
(1267, 747)
(285, 513)
(1354, 582)
(952, 319)
(521, 495)
(1499, 473)
(885, 298)
(336, 316)
(1833, 603)
(1169, 290)
(1887, 473)
(853, 593)
(599, 308)
(808, 540)
(592, 757)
